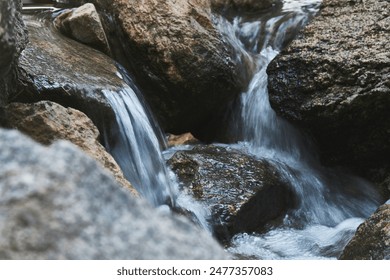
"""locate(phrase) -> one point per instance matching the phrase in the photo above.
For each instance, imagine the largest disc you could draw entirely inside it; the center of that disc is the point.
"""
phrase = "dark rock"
(47, 122)
(334, 81)
(13, 38)
(372, 238)
(242, 5)
(83, 24)
(242, 193)
(57, 203)
(56, 68)
(181, 61)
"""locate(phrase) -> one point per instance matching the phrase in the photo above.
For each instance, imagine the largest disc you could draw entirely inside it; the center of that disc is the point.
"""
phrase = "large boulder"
(47, 122)
(13, 38)
(57, 203)
(242, 193)
(334, 81)
(372, 238)
(179, 58)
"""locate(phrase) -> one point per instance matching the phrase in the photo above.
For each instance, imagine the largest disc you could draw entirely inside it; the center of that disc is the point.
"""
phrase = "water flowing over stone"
(59, 69)
(137, 148)
(331, 204)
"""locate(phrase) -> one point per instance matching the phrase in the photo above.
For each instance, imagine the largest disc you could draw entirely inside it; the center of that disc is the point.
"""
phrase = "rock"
(334, 81)
(242, 5)
(183, 139)
(53, 67)
(13, 38)
(83, 24)
(242, 193)
(372, 238)
(47, 122)
(179, 58)
(57, 203)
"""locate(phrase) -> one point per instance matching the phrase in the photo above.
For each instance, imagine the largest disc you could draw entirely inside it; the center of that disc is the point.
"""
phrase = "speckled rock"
(242, 193)
(334, 81)
(84, 25)
(372, 238)
(58, 203)
(242, 5)
(182, 63)
(13, 38)
(47, 122)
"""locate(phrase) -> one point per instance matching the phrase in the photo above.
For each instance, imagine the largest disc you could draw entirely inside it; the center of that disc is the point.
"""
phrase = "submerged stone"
(243, 193)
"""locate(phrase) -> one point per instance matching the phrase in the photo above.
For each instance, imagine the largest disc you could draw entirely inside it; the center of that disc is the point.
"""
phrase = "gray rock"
(372, 238)
(83, 24)
(57, 203)
(334, 81)
(242, 193)
(13, 38)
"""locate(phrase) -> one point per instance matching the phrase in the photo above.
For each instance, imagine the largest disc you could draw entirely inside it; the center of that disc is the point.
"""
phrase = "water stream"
(330, 204)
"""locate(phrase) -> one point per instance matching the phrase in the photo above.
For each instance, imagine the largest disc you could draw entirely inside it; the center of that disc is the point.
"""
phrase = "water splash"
(330, 203)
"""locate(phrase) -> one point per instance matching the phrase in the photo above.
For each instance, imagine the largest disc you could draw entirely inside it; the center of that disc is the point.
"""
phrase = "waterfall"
(137, 149)
(330, 204)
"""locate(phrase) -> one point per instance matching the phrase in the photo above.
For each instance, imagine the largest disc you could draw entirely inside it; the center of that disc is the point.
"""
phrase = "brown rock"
(47, 122)
(180, 59)
(372, 238)
(83, 24)
(183, 139)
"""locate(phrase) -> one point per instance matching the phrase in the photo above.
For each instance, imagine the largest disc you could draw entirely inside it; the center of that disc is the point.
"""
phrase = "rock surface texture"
(84, 25)
(47, 122)
(334, 81)
(57, 203)
(180, 60)
(56, 68)
(372, 238)
(242, 5)
(13, 38)
(242, 193)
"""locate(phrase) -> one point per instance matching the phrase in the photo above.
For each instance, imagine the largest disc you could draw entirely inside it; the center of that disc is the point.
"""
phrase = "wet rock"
(47, 122)
(334, 81)
(372, 238)
(180, 60)
(83, 24)
(13, 38)
(183, 139)
(242, 193)
(242, 5)
(56, 68)
(57, 203)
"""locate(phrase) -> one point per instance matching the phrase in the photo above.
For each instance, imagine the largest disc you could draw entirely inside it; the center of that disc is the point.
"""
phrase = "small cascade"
(330, 204)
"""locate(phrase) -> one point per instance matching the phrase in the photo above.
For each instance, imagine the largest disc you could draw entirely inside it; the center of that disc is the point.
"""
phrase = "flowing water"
(330, 204)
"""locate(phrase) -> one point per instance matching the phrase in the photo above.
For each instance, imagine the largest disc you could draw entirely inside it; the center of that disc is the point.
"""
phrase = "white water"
(330, 204)
(135, 145)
